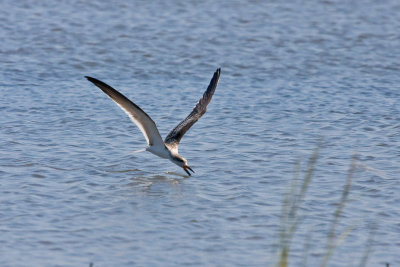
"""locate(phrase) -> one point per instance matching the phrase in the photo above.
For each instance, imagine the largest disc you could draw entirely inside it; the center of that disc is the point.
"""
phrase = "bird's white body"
(167, 149)
(161, 151)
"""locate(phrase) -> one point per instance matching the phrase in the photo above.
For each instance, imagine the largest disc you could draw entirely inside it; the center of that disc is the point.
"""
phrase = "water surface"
(71, 192)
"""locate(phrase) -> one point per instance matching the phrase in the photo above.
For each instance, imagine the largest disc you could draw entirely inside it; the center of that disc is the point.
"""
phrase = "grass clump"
(290, 219)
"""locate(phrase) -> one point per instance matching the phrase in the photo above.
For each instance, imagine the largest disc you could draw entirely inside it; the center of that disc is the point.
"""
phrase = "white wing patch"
(137, 122)
(146, 125)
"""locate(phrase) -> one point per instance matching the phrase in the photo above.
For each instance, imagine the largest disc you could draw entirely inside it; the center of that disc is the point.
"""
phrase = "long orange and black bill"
(186, 170)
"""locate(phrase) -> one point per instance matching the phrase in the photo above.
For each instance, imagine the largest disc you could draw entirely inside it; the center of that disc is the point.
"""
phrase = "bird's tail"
(137, 151)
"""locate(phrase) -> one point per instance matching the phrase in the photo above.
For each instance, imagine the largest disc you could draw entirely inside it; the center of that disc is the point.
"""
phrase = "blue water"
(293, 74)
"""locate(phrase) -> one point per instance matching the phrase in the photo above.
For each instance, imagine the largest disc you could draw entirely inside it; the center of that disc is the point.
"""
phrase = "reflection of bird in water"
(169, 147)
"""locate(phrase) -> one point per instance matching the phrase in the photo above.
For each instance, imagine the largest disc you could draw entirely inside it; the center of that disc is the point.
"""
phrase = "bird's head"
(182, 162)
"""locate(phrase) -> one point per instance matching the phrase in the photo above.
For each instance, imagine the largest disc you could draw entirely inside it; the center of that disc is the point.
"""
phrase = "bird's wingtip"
(91, 79)
(217, 73)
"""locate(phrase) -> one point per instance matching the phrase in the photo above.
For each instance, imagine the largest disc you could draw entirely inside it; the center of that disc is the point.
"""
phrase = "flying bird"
(168, 148)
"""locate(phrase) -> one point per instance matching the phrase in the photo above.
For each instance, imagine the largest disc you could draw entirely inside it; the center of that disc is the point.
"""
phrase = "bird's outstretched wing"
(136, 114)
(174, 137)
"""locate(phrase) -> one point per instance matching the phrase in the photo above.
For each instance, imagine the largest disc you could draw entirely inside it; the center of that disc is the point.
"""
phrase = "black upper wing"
(175, 136)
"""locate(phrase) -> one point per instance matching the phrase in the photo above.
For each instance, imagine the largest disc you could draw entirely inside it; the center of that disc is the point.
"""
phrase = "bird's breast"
(162, 152)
